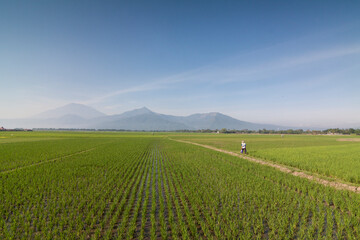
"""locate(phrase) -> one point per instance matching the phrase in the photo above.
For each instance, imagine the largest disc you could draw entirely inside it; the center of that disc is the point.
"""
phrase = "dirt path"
(348, 139)
(51, 160)
(292, 171)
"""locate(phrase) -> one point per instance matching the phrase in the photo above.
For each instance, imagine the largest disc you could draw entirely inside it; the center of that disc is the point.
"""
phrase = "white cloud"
(279, 66)
(152, 85)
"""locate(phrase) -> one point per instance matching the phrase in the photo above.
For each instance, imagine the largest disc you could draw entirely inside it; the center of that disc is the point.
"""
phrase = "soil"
(295, 172)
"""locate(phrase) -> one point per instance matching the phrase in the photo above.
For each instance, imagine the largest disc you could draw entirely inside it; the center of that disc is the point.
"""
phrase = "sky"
(293, 63)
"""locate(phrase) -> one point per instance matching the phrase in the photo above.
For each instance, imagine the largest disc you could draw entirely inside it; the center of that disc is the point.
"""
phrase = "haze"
(294, 63)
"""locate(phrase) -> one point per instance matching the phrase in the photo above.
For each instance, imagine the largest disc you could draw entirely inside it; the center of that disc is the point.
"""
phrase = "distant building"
(2, 129)
(332, 133)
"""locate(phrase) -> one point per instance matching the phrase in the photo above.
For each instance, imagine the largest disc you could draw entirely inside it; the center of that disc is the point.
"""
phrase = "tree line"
(330, 131)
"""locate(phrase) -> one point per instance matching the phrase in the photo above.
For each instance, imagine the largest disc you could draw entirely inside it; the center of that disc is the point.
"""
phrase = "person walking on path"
(243, 147)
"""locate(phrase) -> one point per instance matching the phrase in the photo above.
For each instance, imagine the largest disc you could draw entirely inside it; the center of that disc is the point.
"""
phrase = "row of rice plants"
(147, 188)
(20, 154)
(242, 199)
(72, 198)
(133, 200)
(318, 154)
(340, 161)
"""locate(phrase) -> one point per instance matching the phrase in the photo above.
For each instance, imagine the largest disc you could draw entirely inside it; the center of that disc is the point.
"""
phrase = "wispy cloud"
(140, 88)
(280, 65)
(316, 56)
(152, 85)
(232, 72)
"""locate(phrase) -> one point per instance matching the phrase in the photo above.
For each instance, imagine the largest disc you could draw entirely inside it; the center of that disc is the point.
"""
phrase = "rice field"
(70, 185)
(331, 156)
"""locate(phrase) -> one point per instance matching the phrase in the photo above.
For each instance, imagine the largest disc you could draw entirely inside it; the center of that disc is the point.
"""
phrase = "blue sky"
(294, 63)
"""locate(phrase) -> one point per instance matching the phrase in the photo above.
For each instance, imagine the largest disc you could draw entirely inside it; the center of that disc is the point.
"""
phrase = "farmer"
(243, 147)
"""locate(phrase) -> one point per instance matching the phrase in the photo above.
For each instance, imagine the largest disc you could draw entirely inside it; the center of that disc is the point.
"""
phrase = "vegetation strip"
(51, 160)
(298, 173)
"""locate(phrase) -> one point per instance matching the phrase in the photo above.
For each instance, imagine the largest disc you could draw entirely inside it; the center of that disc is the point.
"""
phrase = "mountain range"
(81, 116)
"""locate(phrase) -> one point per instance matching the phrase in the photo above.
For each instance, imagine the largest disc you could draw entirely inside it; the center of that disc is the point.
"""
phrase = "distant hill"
(139, 119)
(145, 119)
(82, 116)
(216, 120)
(72, 109)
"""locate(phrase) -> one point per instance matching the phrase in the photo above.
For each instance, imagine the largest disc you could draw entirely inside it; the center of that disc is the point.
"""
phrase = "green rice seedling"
(137, 186)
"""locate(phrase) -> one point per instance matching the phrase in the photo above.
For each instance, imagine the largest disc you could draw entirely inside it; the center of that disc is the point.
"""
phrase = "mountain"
(66, 121)
(73, 109)
(72, 115)
(216, 120)
(135, 112)
(81, 116)
(138, 119)
(145, 119)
